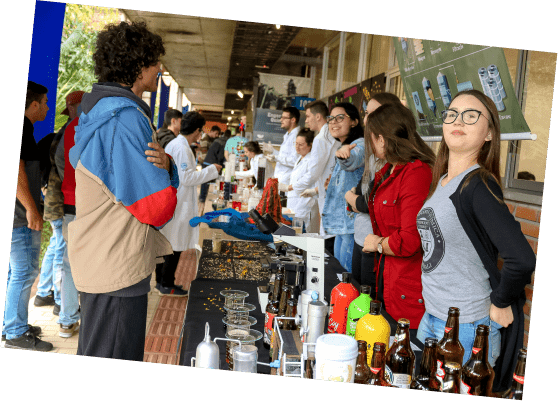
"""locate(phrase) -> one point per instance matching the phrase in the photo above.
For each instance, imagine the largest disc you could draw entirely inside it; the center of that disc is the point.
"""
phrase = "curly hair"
(123, 49)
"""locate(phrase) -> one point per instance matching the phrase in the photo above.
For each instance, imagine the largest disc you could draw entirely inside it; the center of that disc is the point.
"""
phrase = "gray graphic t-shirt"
(452, 272)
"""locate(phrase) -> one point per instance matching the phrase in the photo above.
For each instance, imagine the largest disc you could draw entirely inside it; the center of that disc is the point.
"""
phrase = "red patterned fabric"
(271, 202)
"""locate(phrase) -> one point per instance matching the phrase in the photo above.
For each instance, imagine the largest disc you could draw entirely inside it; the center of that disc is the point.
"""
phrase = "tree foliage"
(79, 35)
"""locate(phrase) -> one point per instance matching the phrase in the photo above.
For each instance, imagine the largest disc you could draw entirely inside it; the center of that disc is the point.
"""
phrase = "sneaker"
(67, 331)
(44, 301)
(56, 310)
(36, 330)
(173, 291)
(28, 341)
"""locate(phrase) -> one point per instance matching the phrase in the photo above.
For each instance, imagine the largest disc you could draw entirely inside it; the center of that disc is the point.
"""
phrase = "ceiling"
(213, 59)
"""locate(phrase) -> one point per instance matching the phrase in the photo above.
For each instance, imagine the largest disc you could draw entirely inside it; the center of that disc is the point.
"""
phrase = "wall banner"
(433, 72)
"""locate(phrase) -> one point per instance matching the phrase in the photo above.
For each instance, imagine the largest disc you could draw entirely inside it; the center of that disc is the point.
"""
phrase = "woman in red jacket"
(395, 199)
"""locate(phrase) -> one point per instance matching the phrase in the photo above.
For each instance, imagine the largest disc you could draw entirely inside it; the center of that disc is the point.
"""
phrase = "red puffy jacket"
(393, 211)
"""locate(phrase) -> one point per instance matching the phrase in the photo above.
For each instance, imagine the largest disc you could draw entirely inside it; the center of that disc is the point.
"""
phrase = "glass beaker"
(245, 358)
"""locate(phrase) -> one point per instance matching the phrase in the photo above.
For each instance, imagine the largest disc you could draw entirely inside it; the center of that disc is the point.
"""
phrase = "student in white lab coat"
(301, 206)
(254, 153)
(178, 231)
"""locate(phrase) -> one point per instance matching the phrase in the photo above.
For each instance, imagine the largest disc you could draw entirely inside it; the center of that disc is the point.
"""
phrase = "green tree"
(79, 35)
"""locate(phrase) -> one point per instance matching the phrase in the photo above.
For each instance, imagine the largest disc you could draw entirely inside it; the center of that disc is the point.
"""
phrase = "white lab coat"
(321, 162)
(178, 231)
(253, 172)
(286, 157)
(299, 205)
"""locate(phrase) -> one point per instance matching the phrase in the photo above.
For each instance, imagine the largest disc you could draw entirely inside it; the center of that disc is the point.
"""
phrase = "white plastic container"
(336, 356)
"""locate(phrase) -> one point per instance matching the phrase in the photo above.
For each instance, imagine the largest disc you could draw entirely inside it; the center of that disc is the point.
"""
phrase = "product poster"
(276, 92)
(433, 72)
(369, 87)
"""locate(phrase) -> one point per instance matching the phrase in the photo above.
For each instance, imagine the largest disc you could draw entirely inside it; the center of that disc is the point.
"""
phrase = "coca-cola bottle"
(449, 348)
(450, 382)
(377, 366)
(515, 392)
(477, 375)
(341, 297)
(362, 370)
(426, 378)
(400, 359)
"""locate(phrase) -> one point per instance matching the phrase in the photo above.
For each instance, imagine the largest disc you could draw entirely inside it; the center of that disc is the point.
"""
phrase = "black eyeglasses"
(338, 118)
(468, 117)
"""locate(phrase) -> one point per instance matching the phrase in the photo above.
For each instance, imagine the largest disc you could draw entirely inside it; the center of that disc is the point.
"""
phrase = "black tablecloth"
(205, 304)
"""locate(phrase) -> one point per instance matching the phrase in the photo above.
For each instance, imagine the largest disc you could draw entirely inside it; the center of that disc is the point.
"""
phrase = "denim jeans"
(431, 326)
(22, 272)
(51, 269)
(343, 250)
(69, 306)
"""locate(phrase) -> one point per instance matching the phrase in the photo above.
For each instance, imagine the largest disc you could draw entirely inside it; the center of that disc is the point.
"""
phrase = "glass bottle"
(426, 378)
(477, 375)
(377, 366)
(271, 311)
(341, 297)
(373, 328)
(515, 392)
(291, 312)
(449, 348)
(400, 359)
(358, 308)
(363, 374)
(285, 294)
(450, 383)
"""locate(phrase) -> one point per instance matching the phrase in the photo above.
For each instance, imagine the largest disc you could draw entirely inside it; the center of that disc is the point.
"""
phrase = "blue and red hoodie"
(121, 198)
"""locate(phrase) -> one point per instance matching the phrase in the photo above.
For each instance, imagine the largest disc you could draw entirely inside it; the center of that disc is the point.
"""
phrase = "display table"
(228, 271)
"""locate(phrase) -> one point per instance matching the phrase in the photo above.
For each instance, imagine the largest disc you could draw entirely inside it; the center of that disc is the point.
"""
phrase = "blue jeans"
(69, 306)
(431, 326)
(22, 272)
(343, 250)
(51, 269)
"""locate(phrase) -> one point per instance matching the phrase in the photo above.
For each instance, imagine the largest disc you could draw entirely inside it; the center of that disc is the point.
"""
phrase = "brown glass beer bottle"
(362, 370)
(291, 312)
(515, 392)
(426, 378)
(449, 348)
(400, 359)
(377, 366)
(450, 383)
(477, 375)
(285, 294)
(271, 311)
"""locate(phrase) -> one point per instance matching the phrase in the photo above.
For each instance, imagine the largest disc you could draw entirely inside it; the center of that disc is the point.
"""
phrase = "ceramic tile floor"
(165, 314)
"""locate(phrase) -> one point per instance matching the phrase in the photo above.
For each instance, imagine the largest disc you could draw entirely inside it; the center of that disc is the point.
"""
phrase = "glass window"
(352, 52)
(511, 60)
(332, 69)
(379, 54)
(538, 93)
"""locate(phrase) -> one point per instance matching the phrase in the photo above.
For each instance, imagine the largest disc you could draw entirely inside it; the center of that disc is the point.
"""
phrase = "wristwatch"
(380, 248)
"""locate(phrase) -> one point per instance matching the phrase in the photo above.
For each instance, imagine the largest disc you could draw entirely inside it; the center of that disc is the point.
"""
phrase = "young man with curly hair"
(125, 192)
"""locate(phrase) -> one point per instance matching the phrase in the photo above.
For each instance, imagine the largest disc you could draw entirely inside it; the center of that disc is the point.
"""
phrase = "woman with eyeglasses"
(399, 190)
(344, 125)
(464, 226)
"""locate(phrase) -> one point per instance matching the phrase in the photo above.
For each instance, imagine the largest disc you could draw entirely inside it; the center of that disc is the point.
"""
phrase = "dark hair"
(307, 135)
(35, 93)
(227, 134)
(123, 49)
(317, 107)
(253, 147)
(293, 112)
(396, 124)
(525, 175)
(169, 115)
(357, 131)
(489, 154)
(216, 128)
(191, 121)
(382, 98)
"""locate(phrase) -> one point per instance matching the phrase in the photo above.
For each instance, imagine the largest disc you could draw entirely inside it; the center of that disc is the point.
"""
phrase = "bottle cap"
(346, 277)
(365, 289)
(430, 342)
(314, 295)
